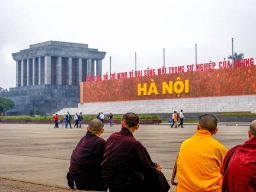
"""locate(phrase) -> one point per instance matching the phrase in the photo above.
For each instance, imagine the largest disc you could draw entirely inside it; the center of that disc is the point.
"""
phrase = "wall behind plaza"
(210, 83)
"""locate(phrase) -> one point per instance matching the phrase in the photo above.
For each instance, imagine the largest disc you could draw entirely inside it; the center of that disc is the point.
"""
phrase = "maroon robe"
(127, 166)
(240, 168)
(85, 161)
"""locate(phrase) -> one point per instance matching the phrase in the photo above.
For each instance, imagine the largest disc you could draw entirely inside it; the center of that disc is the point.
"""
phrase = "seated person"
(240, 165)
(200, 159)
(127, 166)
(85, 170)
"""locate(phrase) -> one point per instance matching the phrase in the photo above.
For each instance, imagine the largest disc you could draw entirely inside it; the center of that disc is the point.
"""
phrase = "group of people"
(204, 164)
(122, 163)
(101, 117)
(66, 118)
(176, 117)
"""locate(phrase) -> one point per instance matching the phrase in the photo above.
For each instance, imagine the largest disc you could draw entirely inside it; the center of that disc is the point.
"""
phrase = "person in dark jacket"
(69, 117)
(85, 170)
(126, 164)
(80, 119)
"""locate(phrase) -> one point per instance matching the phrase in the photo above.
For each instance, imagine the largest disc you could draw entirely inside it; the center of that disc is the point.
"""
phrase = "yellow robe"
(199, 163)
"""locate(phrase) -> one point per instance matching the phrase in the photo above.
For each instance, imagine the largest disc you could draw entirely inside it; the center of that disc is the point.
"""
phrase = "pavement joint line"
(32, 183)
(33, 156)
(43, 149)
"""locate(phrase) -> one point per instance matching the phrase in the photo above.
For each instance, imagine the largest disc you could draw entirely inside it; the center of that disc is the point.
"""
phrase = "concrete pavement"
(37, 155)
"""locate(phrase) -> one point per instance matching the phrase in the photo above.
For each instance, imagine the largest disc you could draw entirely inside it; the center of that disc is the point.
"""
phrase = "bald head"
(208, 122)
(253, 128)
(95, 126)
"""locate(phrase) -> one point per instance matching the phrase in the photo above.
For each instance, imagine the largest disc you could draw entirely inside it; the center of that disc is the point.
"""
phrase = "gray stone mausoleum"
(48, 76)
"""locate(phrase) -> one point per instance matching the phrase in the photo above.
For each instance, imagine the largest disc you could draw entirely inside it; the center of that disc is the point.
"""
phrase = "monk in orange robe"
(200, 159)
(240, 165)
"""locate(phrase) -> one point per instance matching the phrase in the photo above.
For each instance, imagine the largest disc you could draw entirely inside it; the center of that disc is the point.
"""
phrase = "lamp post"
(110, 65)
(232, 52)
(195, 54)
(135, 61)
(164, 57)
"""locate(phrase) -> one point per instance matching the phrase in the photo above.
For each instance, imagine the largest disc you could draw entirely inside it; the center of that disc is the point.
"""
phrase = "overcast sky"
(122, 28)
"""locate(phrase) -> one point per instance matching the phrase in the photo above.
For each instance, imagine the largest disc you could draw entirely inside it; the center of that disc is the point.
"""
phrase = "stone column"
(18, 73)
(34, 78)
(93, 68)
(99, 67)
(28, 73)
(40, 71)
(47, 70)
(24, 73)
(59, 71)
(89, 67)
(21, 73)
(79, 71)
(69, 71)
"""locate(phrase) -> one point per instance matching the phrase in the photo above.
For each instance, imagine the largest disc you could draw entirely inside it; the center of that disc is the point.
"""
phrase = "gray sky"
(122, 28)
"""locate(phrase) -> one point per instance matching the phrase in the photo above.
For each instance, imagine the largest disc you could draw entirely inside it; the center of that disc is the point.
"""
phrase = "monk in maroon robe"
(85, 170)
(127, 166)
(240, 165)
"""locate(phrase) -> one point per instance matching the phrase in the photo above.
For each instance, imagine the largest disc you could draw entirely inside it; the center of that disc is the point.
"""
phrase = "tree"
(6, 104)
(236, 56)
(31, 112)
(37, 112)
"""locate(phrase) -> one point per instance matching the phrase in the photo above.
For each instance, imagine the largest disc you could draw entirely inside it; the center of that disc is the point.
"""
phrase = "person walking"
(56, 120)
(111, 119)
(69, 117)
(80, 119)
(76, 121)
(98, 116)
(174, 119)
(102, 117)
(181, 118)
(64, 119)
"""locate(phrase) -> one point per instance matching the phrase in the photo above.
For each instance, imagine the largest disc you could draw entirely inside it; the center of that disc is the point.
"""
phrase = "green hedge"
(142, 117)
(26, 118)
(85, 117)
(237, 114)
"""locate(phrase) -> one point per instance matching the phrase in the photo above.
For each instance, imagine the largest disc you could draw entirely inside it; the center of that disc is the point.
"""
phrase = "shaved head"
(208, 122)
(253, 128)
(95, 126)
(131, 119)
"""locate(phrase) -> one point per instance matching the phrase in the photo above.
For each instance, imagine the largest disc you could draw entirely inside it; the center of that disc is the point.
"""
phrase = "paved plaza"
(36, 157)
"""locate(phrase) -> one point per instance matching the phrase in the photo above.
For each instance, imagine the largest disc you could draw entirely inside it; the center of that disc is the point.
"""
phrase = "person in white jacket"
(76, 120)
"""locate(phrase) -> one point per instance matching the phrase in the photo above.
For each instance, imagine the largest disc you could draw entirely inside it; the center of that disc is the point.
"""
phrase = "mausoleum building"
(48, 76)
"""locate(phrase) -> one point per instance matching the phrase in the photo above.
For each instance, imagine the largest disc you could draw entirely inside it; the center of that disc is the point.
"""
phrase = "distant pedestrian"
(64, 119)
(174, 119)
(76, 121)
(98, 116)
(111, 119)
(181, 118)
(102, 117)
(56, 121)
(69, 117)
(80, 119)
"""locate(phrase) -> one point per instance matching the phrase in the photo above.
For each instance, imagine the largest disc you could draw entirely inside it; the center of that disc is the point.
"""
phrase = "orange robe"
(199, 163)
